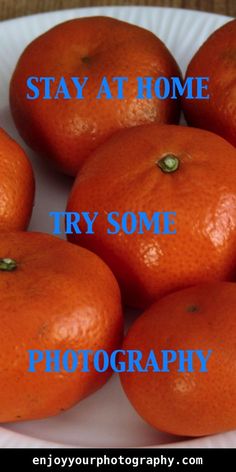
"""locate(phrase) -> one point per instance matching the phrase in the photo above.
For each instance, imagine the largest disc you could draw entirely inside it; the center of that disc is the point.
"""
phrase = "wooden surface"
(14, 8)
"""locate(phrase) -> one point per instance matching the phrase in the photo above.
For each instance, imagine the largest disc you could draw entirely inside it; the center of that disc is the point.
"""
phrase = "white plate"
(106, 418)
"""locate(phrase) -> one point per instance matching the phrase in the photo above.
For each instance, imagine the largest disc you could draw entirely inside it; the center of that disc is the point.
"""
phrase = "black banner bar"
(181, 460)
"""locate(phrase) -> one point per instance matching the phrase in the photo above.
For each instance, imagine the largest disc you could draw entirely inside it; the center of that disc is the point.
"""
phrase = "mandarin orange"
(192, 397)
(16, 185)
(216, 59)
(160, 168)
(67, 130)
(54, 296)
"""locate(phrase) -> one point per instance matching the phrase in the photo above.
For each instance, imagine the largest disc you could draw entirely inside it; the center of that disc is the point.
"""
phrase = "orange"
(129, 173)
(67, 130)
(216, 59)
(187, 403)
(16, 185)
(61, 297)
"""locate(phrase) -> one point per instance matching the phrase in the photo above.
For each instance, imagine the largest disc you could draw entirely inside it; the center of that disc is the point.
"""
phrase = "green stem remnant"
(168, 163)
(7, 264)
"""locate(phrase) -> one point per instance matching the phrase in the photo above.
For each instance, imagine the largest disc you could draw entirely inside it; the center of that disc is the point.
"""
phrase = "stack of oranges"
(128, 156)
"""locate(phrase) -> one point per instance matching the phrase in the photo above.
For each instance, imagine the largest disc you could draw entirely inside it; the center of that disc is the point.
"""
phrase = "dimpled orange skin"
(216, 59)
(66, 131)
(58, 297)
(187, 403)
(16, 185)
(122, 175)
